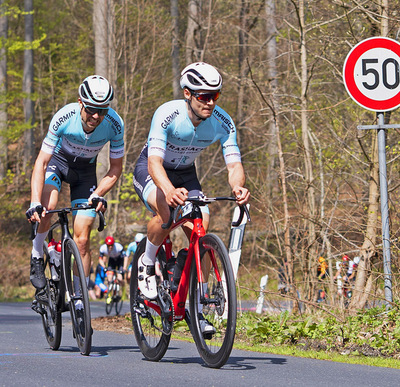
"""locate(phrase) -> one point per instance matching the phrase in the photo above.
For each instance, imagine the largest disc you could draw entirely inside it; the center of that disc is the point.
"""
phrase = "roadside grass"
(369, 337)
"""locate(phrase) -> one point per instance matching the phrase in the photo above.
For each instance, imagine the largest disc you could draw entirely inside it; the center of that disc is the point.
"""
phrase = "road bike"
(69, 291)
(207, 276)
(114, 295)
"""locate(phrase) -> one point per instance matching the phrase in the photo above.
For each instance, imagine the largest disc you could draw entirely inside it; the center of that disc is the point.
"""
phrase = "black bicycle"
(69, 290)
(114, 296)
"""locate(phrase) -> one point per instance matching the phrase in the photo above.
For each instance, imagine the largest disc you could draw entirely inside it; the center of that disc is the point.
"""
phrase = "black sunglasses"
(92, 110)
(206, 97)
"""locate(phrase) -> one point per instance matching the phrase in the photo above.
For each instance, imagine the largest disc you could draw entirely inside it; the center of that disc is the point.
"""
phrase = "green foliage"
(375, 328)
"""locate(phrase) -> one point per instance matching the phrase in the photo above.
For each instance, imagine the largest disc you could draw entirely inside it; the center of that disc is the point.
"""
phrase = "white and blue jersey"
(178, 142)
(74, 152)
(68, 140)
(175, 139)
(132, 247)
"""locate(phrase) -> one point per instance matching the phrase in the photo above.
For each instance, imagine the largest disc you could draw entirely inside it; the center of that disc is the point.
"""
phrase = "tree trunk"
(243, 39)
(309, 252)
(105, 65)
(176, 89)
(27, 88)
(102, 66)
(193, 51)
(271, 31)
(3, 90)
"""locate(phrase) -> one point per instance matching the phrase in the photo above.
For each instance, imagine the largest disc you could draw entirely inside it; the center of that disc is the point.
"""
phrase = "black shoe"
(37, 277)
(37, 307)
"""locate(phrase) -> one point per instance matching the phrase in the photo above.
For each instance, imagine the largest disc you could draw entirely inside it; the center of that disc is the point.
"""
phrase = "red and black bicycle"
(207, 277)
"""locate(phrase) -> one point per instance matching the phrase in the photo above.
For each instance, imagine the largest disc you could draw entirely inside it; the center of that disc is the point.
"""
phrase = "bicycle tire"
(110, 305)
(81, 325)
(51, 313)
(118, 303)
(152, 343)
(214, 350)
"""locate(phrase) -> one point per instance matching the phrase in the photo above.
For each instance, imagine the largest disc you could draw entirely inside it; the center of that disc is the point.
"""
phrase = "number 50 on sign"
(371, 74)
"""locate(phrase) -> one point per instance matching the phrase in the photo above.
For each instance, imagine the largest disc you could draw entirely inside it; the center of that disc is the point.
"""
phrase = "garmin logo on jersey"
(116, 125)
(63, 119)
(224, 119)
(169, 119)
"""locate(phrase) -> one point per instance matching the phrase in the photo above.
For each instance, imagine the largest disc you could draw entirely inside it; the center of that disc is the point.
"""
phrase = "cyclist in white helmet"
(76, 134)
(165, 173)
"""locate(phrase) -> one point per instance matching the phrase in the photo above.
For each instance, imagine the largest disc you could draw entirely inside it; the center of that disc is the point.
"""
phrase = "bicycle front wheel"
(218, 307)
(146, 319)
(50, 309)
(77, 296)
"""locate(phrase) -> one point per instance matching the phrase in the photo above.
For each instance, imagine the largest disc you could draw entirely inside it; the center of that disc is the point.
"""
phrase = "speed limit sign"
(371, 74)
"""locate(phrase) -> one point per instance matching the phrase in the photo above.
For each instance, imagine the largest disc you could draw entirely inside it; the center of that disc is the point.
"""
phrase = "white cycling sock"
(149, 257)
(37, 244)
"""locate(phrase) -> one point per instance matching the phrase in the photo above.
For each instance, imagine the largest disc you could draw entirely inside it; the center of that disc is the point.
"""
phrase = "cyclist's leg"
(155, 201)
(49, 201)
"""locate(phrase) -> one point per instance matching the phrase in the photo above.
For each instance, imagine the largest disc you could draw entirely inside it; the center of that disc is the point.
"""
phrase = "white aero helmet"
(201, 76)
(96, 91)
(138, 237)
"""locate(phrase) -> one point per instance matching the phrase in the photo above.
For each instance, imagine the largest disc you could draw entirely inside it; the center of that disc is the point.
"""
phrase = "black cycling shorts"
(82, 181)
(144, 184)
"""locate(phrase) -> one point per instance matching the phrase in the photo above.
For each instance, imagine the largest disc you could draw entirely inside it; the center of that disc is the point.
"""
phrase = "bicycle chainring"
(167, 310)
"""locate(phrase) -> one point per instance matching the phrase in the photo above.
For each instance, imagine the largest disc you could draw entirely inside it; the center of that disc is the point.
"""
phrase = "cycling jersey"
(100, 275)
(67, 138)
(117, 251)
(74, 151)
(175, 139)
(131, 248)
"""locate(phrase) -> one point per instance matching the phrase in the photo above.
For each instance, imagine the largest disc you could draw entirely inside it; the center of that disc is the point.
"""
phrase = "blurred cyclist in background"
(117, 259)
(131, 250)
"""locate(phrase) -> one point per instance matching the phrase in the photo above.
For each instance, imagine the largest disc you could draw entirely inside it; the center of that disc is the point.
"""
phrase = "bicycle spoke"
(218, 305)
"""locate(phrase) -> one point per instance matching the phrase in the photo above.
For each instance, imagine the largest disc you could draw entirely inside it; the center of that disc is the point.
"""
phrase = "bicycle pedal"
(37, 308)
(140, 311)
(41, 296)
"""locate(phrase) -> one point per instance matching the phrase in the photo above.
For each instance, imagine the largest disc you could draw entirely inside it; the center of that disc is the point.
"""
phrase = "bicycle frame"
(179, 297)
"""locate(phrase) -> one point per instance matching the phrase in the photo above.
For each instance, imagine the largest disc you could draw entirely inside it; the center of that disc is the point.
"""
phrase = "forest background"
(314, 177)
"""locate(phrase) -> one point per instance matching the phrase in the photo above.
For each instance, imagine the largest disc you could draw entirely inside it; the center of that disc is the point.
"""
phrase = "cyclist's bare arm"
(108, 181)
(37, 181)
(237, 179)
(174, 196)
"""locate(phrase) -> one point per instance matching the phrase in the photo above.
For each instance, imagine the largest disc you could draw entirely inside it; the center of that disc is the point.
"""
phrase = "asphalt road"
(26, 360)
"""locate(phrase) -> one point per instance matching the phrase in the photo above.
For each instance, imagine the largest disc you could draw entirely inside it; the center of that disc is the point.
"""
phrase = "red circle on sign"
(349, 79)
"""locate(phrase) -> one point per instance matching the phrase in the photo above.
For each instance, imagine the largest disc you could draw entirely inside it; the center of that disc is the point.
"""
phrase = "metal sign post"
(381, 127)
(371, 75)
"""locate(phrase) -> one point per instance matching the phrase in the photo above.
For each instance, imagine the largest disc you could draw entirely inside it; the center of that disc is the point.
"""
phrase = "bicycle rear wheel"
(118, 301)
(146, 320)
(77, 297)
(219, 308)
(50, 310)
(110, 298)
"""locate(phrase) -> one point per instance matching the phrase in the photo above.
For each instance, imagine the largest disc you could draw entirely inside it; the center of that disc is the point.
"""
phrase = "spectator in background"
(322, 272)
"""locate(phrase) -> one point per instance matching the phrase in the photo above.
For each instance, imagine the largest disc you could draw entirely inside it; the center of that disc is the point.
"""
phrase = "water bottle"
(51, 248)
(54, 249)
(179, 265)
(170, 271)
